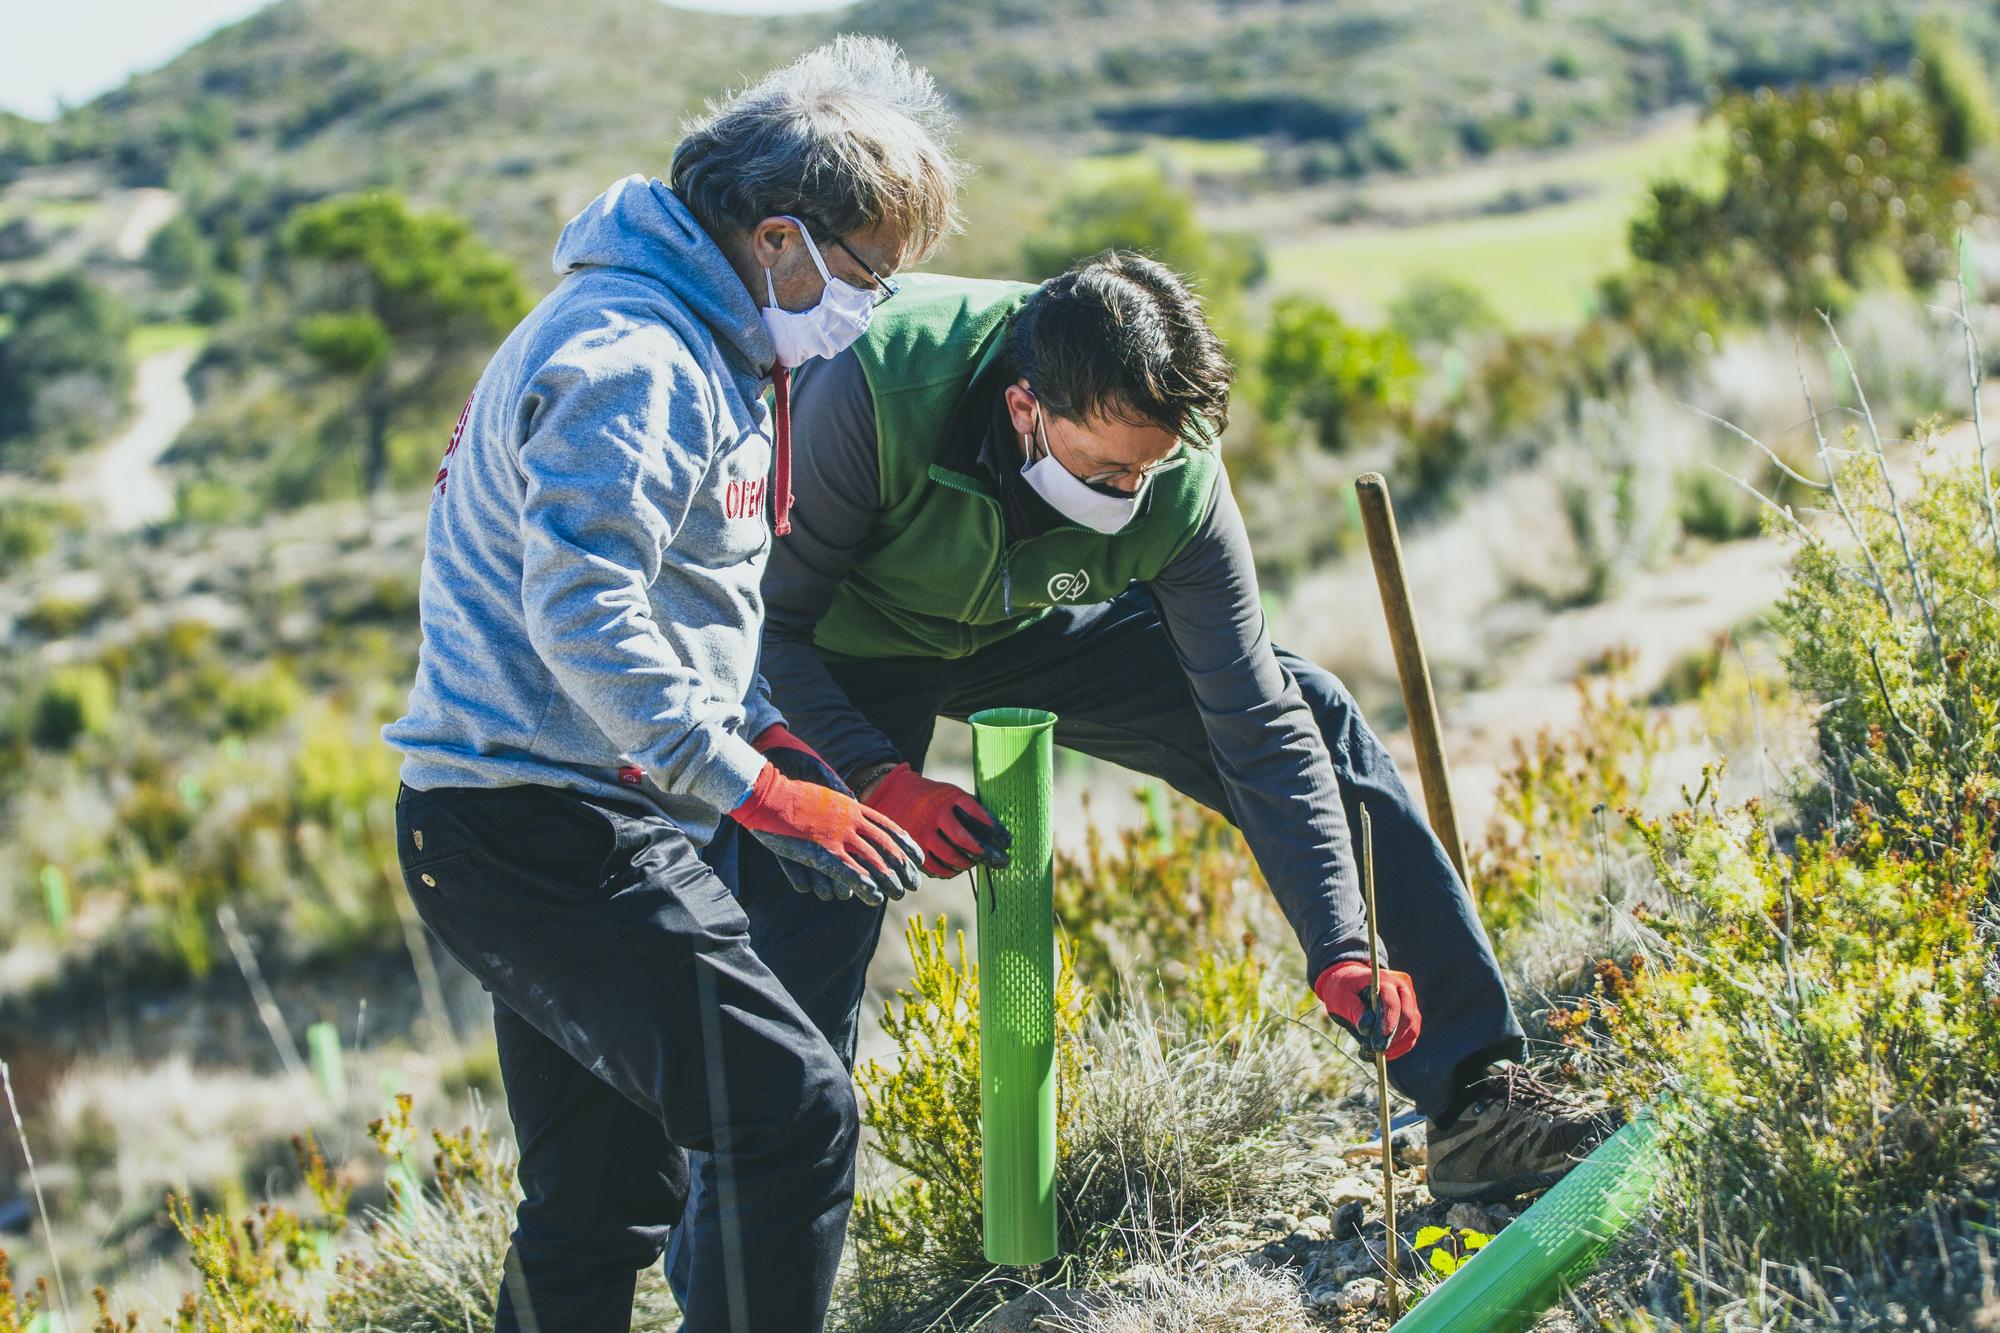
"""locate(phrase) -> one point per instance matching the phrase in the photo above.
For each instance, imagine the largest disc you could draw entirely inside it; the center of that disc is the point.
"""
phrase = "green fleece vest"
(935, 576)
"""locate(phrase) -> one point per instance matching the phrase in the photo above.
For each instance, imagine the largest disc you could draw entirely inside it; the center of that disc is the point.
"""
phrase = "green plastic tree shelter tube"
(1012, 753)
(1525, 1269)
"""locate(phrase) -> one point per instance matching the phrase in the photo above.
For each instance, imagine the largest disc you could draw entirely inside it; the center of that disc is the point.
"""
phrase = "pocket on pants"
(430, 830)
(531, 832)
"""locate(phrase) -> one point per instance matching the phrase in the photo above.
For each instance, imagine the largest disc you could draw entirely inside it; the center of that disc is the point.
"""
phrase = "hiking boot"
(1515, 1134)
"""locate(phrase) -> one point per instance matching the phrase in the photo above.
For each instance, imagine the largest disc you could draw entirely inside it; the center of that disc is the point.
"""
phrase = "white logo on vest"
(1069, 587)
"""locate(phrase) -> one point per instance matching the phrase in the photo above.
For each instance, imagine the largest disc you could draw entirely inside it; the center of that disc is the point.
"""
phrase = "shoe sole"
(1493, 1191)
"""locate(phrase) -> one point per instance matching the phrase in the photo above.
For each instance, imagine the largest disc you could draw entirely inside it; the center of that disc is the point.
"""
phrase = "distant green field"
(1538, 267)
(150, 338)
(1174, 157)
(65, 212)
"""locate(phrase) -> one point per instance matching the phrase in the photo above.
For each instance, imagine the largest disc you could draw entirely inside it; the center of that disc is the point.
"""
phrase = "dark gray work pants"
(636, 1025)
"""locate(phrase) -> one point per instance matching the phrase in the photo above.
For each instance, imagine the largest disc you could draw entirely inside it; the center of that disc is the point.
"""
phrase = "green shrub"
(1955, 85)
(65, 371)
(55, 617)
(397, 295)
(342, 774)
(1154, 901)
(257, 1271)
(176, 255)
(428, 1262)
(157, 816)
(347, 342)
(212, 502)
(29, 528)
(1811, 1013)
(1557, 802)
(18, 1313)
(1335, 377)
(296, 837)
(1891, 625)
(74, 702)
(1437, 308)
(1815, 1027)
(1824, 190)
(1714, 508)
(260, 702)
(1147, 214)
(221, 297)
(917, 1243)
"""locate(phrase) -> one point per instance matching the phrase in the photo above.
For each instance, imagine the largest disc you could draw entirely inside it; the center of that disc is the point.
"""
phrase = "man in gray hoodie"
(588, 707)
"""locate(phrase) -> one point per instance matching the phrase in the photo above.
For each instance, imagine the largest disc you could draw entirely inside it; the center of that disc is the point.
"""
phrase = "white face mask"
(1073, 498)
(827, 329)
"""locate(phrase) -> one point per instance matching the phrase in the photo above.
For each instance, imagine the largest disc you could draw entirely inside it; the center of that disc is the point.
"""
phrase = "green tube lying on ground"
(1524, 1270)
(1012, 752)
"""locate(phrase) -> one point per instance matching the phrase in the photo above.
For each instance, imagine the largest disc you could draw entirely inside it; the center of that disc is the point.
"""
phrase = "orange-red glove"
(831, 845)
(954, 830)
(1392, 1026)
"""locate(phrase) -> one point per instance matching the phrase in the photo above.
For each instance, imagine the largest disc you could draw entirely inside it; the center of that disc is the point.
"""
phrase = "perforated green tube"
(1508, 1285)
(1012, 753)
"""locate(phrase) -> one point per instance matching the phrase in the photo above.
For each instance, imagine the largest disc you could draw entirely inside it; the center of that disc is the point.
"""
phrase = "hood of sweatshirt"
(642, 226)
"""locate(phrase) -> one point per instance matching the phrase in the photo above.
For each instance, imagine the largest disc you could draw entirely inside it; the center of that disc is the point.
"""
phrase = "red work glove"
(1393, 1027)
(831, 845)
(953, 829)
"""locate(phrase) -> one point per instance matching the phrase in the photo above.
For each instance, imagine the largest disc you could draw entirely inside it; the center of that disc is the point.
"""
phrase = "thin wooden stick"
(1385, 547)
(1381, 1071)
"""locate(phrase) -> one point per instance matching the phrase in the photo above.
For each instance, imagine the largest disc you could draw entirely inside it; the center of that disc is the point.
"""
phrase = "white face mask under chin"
(828, 328)
(1069, 496)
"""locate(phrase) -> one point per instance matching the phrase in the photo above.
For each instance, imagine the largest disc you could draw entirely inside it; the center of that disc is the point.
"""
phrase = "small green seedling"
(1449, 1248)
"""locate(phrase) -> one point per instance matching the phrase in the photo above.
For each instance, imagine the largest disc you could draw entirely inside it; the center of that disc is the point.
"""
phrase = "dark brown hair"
(1121, 336)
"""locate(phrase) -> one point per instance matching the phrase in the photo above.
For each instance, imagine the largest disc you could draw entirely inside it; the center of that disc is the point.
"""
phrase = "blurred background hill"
(1518, 256)
(513, 114)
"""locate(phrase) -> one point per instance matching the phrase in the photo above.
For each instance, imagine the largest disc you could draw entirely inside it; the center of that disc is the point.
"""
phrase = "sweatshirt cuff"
(725, 781)
(760, 714)
(1333, 949)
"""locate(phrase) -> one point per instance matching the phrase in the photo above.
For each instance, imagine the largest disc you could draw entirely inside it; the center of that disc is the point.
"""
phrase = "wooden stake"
(1381, 1072)
(1385, 547)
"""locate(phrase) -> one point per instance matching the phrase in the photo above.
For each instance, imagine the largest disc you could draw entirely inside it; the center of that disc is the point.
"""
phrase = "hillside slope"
(515, 112)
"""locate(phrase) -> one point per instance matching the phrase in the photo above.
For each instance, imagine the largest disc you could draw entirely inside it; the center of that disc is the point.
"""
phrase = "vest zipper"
(966, 486)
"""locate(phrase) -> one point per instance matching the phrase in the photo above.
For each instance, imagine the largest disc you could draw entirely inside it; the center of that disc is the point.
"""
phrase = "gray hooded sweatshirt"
(589, 598)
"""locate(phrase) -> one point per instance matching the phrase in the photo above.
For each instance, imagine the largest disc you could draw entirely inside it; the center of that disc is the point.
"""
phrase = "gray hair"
(848, 136)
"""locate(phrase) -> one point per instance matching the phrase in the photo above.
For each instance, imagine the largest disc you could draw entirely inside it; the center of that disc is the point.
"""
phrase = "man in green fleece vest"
(1009, 495)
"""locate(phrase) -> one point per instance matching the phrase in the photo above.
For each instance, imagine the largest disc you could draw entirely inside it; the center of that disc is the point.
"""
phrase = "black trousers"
(1109, 674)
(636, 1024)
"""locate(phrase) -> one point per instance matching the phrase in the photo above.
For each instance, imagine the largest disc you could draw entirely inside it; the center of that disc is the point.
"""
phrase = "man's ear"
(770, 240)
(1021, 407)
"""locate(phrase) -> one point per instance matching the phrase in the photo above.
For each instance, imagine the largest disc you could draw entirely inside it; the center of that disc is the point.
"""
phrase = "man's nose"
(1129, 482)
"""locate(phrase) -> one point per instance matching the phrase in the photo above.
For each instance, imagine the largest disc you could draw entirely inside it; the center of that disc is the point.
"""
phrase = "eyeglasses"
(1106, 476)
(1143, 472)
(884, 287)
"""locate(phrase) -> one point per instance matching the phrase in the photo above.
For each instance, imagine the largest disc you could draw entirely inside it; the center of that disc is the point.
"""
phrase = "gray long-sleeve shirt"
(1272, 759)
